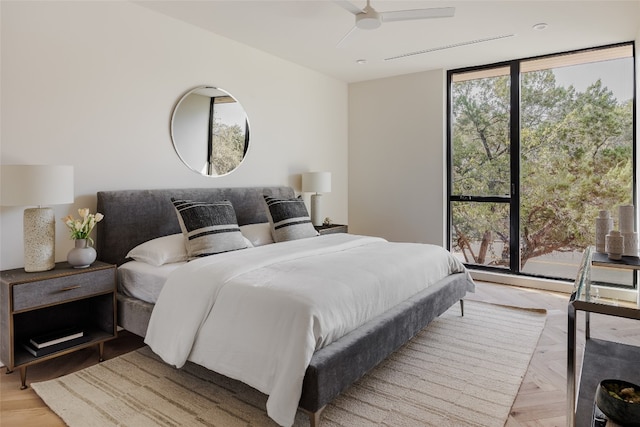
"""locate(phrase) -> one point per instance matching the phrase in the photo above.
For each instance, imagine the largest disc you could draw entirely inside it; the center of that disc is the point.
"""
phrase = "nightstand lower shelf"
(96, 337)
(604, 359)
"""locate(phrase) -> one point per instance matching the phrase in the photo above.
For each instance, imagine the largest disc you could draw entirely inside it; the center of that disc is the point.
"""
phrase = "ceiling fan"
(370, 19)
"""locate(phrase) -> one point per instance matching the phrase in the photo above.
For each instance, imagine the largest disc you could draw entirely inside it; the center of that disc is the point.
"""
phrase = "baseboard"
(629, 295)
(522, 281)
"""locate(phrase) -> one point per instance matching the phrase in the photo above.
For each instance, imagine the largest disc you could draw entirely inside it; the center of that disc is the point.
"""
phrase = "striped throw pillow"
(208, 228)
(289, 219)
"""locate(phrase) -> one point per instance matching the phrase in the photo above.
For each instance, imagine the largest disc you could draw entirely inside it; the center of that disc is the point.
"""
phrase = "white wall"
(397, 157)
(93, 84)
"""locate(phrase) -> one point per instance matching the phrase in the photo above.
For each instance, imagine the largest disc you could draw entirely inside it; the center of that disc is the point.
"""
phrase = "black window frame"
(514, 198)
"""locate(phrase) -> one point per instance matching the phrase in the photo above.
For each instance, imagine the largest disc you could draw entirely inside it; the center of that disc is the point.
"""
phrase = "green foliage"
(228, 147)
(576, 157)
(481, 137)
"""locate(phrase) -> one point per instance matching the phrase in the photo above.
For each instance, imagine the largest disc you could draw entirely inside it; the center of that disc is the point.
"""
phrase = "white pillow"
(258, 234)
(160, 251)
(165, 250)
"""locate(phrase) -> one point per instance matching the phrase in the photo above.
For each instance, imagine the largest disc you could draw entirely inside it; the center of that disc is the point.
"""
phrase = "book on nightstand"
(37, 352)
(56, 337)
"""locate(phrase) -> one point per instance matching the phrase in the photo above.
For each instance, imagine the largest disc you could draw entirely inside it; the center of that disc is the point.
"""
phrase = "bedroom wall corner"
(637, 66)
(94, 84)
(637, 55)
(397, 157)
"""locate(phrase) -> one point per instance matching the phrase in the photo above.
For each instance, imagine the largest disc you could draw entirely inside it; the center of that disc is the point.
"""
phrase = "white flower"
(81, 228)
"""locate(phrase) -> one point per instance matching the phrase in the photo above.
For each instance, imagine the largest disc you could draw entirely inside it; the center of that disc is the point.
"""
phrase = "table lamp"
(37, 185)
(316, 182)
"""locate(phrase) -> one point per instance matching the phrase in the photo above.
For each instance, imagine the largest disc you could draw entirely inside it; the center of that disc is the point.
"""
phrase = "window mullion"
(514, 232)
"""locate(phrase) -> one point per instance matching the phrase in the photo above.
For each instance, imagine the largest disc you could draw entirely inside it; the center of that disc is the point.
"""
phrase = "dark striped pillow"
(209, 228)
(289, 219)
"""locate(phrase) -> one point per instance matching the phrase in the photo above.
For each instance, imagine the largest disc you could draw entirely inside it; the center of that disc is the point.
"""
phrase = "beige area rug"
(458, 371)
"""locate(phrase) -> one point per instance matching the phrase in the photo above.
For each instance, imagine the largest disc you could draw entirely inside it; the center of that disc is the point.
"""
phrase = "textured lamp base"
(316, 209)
(39, 239)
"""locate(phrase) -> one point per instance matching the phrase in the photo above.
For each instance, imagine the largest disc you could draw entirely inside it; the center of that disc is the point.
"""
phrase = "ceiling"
(307, 32)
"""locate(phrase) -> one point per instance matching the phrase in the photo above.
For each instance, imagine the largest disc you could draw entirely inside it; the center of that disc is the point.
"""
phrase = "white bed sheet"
(144, 281)
(258, 315)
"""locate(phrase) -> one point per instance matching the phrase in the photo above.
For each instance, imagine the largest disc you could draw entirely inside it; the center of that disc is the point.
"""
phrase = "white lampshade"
(316, 182)
(36, 185)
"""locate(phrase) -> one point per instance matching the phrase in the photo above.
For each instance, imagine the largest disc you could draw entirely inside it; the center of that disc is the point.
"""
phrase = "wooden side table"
(330, 229)
(35, 304)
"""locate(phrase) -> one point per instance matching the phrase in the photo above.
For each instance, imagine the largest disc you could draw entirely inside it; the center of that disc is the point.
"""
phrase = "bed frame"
(132, 217)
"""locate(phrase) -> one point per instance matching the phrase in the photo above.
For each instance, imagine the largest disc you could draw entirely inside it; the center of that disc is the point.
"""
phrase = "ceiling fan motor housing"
(368, 19)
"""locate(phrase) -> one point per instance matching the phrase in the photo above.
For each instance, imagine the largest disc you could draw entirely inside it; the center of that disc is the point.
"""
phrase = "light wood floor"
(541, 400)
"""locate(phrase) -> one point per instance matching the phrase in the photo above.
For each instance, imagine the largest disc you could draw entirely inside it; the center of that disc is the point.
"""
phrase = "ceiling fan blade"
(348, 6)
(346, 37)
(411, 14)
(449, 46)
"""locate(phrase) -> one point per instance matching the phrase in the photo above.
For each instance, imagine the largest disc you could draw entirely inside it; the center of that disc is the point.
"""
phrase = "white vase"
(626, 221)
(83, 255)
(630, 244)
(615, 245)
(604, 224)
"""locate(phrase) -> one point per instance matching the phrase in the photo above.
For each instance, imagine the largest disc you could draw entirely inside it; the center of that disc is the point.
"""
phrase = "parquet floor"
(541, 401)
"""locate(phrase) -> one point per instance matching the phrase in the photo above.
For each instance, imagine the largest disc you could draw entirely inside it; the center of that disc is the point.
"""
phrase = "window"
(536, 148)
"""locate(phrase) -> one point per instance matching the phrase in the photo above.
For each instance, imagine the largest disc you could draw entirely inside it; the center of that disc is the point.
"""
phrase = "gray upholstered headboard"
(132, 217)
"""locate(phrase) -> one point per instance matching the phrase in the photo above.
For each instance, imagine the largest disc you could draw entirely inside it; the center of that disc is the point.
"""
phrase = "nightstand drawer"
(63, 288)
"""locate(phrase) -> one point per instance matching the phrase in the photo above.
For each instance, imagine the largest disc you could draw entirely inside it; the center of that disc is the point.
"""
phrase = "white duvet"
(257, 315)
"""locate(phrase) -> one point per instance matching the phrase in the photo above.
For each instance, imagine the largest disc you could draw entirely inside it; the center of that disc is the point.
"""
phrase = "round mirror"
(210, 131)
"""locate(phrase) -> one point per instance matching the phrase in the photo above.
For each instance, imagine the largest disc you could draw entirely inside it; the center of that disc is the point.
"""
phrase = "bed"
(132, 217)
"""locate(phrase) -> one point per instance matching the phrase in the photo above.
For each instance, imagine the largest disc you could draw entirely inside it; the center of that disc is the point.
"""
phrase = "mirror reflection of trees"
(229, 143)
(576, 158)
(210, 131)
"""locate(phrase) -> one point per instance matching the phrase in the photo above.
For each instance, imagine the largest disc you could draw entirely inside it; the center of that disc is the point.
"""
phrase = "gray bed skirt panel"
(133, 314)
(337, 366)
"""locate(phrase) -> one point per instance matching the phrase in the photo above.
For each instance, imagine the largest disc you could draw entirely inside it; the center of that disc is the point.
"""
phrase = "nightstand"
(330, 229)
(63, 299)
